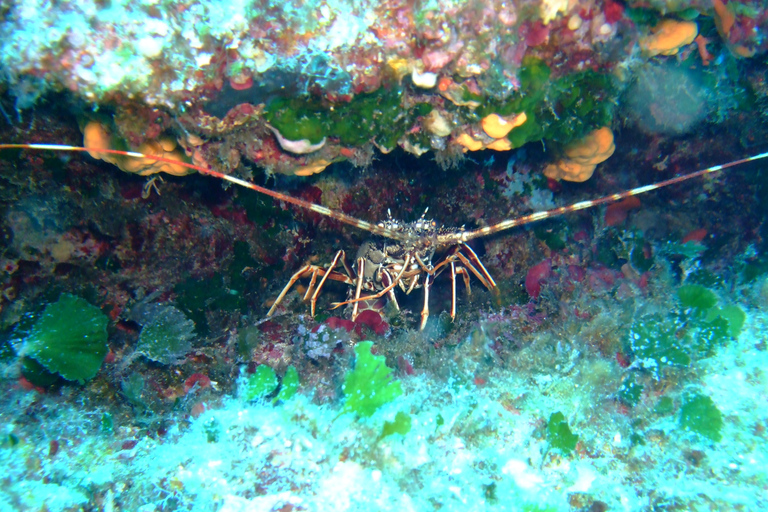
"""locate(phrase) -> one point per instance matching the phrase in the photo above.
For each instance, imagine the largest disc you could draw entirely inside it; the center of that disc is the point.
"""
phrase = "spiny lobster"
(404, 251)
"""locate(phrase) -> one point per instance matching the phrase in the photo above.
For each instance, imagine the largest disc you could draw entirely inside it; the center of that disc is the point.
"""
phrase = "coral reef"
(621, 349)
(297, 91)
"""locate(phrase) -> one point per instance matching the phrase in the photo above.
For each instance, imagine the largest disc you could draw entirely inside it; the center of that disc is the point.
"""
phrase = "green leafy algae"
(261, 383)
(559, 434)
(369, 385)
(732, 314)
(696, 296)
(166, 338)
(696, 331)
(70, 338)
(700, 414)
(289, 386)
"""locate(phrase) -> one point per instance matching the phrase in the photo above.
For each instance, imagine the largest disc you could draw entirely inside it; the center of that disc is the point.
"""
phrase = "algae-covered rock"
(70, 338)
(166, 336)
(655, 342)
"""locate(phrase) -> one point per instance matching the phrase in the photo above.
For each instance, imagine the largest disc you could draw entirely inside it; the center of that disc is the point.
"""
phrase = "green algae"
(298, 118)
(561, 109)
(695, 330)
(400, 425)
(289, 386)
(699, 414)
(261, 382)
(369, 385)
(375, 116)
(696, 296)
(70, 339)
(380, 116)
(166, 338)
(559, 434)
(655, 341)
(630, 392)
(576, 104)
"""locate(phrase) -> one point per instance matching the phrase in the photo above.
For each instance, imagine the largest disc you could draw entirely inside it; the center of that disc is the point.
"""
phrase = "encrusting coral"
(96, 136)
(582, 157)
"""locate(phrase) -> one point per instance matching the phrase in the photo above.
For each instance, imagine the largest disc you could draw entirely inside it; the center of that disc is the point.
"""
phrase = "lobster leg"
(479, 263)
(465, 275)
(382, 292)
(295, 277)
(425, 311)
(339, 254)
(359, 287)
(385, 273)
(453, 291)
(414, 284)
(468, 264)
(305, 271)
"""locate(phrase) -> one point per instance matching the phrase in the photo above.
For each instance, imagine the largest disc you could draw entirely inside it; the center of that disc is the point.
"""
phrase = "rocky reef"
(294, 88)
(618, 362)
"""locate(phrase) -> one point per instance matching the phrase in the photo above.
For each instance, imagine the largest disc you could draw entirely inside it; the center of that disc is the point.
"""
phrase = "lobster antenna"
(583, 205)
(322, 210)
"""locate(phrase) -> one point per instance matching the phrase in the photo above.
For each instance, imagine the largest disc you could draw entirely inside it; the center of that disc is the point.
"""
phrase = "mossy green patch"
(696, 296)
(561, 109)
(552, 234)
(196, 297)
(69, 338)
(659, 342)
(400, 425)
(664, 406)
(697, 330)
(298, 118)
(578, 103)
(559, 434)
(643, 15)
(630, 392)
(166, 338)
(289, 385)
(379, 116)
(260, 383)
(368, 386)
(700, 414)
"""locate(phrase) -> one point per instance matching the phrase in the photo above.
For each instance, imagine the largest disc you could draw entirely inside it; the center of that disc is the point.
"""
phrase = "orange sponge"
(96, 136)
(668, 37)
(582, 156)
